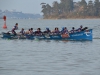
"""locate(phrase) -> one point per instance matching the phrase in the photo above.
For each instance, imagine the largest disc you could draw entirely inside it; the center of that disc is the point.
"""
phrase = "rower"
(79, 29)
(15, 28)
(47, 31)
(85, 28)
(28, 32)
(64, 30)
(56, 31)
(38, 32)
(31, 31)
(73, 30)
(22, 31)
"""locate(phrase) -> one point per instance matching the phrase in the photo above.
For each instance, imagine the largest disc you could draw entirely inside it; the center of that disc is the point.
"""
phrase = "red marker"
(4, 26)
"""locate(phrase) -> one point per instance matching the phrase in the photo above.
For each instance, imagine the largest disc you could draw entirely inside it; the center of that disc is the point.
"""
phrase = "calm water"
(34, 57)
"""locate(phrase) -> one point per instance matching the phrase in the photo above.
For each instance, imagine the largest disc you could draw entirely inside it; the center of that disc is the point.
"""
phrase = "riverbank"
(87, 17)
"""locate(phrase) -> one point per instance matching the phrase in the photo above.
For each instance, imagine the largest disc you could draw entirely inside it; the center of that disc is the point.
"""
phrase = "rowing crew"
(47, 31)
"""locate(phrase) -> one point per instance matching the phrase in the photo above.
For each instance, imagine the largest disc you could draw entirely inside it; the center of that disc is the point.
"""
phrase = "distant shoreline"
(75, 18)
(68, 9)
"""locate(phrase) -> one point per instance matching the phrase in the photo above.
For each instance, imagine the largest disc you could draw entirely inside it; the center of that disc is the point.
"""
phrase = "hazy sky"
(26, 6)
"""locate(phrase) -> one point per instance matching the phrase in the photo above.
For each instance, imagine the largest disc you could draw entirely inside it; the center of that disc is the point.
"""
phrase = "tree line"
(69, 9)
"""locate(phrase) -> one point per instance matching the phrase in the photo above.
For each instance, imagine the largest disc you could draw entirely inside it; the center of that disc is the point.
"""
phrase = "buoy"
(4, 26)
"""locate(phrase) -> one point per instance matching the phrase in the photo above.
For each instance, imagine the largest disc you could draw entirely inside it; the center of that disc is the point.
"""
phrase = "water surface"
(35, 57)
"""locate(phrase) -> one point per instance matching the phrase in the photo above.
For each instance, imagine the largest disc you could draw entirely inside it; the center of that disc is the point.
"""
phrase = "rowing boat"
(83, 35)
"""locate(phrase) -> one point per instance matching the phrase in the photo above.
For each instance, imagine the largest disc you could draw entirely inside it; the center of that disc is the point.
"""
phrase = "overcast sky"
(26, 6)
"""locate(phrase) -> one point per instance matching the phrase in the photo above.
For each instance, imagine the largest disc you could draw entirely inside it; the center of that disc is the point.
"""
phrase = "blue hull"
(83, 35)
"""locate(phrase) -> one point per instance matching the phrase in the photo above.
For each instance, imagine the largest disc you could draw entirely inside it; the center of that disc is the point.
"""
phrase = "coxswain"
(15, 28)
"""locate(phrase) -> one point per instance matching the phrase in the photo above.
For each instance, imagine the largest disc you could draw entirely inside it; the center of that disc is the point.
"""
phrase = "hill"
(19, 15)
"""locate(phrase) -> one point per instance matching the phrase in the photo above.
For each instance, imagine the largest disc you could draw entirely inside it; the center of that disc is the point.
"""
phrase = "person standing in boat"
(15, 28)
